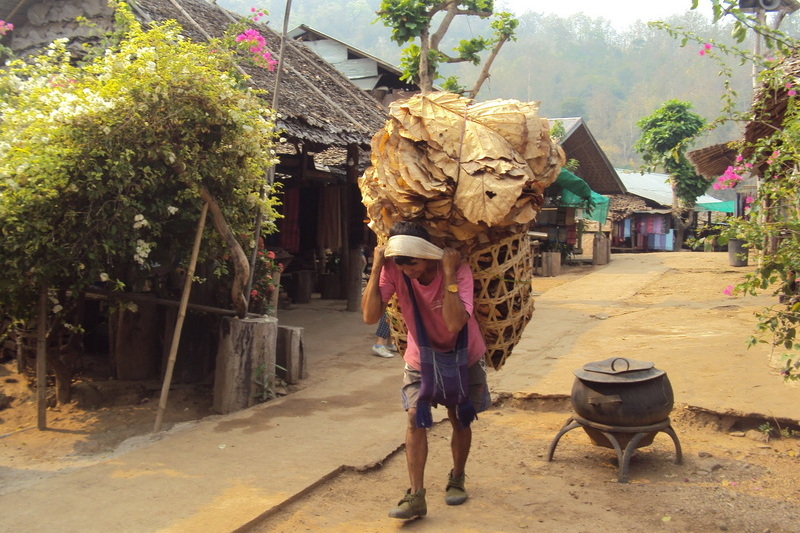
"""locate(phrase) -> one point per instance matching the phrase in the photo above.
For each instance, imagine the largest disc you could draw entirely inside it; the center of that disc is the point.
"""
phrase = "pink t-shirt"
(429, 302)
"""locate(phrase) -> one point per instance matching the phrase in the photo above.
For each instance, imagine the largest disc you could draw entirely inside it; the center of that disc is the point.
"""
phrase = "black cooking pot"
(622, 392)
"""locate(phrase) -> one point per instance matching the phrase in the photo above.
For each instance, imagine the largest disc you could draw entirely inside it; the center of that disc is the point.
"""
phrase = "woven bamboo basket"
(503, 297)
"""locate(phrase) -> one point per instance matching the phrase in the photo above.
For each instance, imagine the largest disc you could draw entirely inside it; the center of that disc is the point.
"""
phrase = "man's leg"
(416, 452)
(413, 503)
(460, 443)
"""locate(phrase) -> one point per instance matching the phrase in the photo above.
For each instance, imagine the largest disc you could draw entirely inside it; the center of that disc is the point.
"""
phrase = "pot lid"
(618, 370)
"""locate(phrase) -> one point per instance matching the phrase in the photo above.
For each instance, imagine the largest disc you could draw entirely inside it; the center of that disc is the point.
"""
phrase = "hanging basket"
(503, 297)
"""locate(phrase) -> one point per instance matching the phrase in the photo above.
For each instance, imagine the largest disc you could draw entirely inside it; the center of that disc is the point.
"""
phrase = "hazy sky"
(621, 13)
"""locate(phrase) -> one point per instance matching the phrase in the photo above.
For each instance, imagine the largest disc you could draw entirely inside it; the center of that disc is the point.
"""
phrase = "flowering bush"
(256, 43)
(771, 226)
(265, 281)
(101, 163)
(5, 27)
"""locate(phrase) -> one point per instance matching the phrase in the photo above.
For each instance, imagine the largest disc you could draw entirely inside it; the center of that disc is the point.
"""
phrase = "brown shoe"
(455, 494)
(411, 506)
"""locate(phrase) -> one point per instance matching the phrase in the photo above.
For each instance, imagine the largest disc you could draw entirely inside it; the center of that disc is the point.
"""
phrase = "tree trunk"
(137, 343)
(680, 228)
(240, 265)
(41, 360)
(64, 349)
(245, 372)
(425, 75)
(63, 371)
(352, 273)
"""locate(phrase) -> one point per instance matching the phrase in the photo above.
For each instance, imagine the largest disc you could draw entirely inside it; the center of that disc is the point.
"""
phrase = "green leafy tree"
(663, 144)
(104, 166)
(412, 20)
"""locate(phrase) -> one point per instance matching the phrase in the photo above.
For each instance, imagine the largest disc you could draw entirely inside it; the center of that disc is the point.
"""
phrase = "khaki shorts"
(478, 388)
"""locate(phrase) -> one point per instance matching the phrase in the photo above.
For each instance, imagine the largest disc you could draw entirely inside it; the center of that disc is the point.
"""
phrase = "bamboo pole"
(176, 335)
(41, 360)
(271, 172)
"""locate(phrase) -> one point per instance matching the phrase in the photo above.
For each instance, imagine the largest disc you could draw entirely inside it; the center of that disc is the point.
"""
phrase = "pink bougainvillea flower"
(728, 290)
(728, 180)
(748, 200)
(708, 46)
(702, 52)
(791, 92)
(257, 43)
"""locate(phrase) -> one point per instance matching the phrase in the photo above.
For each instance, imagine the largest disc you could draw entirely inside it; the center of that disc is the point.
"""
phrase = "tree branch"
(240, 265)
(438, 35)
(484, 75)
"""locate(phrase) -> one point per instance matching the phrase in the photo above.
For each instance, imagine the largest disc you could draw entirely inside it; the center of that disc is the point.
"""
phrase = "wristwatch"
(452, 288)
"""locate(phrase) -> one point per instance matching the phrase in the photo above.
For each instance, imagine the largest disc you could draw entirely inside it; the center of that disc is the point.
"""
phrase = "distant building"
(377, 77)
(642, 220)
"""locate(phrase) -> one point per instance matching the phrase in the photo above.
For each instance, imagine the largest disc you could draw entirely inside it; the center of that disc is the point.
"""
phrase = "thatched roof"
(621, 206)
(712, 161)
(769, 106)
(316, 103)
(769, 110)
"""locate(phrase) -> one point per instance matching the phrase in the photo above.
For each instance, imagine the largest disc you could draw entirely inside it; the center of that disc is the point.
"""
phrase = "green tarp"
(721, 207)
(576, 193)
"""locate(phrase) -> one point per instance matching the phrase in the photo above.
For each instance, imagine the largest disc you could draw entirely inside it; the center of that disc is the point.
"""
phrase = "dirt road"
(665, 308)
(675, 314)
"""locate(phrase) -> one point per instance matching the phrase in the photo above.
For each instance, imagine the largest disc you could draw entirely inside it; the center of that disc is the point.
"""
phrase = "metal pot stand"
(632, 437)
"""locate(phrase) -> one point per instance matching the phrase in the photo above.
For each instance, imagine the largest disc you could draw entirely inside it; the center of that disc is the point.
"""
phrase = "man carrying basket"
(444, 357)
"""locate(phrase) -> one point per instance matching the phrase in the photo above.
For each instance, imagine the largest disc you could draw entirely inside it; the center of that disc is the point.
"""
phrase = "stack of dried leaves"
(473, 173)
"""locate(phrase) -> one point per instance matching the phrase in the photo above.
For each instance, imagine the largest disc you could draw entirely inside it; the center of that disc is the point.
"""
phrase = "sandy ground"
(732, 478)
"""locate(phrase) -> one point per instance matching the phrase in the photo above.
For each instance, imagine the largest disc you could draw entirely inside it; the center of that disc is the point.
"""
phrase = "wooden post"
(352, 279)
(41, 360)
(245, 368)
(187, 287)
(290, 354)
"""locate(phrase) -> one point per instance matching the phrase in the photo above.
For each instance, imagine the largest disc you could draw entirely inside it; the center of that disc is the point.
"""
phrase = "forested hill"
(576, 66)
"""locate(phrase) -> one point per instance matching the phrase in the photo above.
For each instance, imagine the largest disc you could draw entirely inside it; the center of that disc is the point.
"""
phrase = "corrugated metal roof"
(653, 186)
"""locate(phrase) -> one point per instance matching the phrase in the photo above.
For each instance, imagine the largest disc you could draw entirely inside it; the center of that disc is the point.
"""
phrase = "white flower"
(142, 251)
(172, 210)
(139, 222)
(103, 276)
(57, 308)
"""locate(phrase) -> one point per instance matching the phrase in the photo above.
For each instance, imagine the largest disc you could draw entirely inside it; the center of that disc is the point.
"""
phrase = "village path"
(249, 471)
